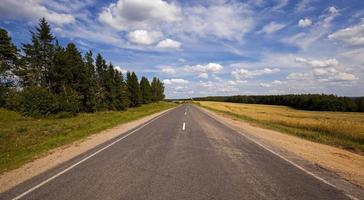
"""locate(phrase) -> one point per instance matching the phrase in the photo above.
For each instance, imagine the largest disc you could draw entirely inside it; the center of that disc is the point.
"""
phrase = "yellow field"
(344, 129)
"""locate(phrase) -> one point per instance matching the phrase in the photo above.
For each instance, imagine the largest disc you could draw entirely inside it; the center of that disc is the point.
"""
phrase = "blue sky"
(213, 47)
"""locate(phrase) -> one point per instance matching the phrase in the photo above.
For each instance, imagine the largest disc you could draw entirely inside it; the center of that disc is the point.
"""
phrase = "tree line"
(44, 78)
(316, 102)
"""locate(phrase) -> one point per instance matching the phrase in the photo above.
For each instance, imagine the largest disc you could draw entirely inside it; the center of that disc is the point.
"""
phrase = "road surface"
(183, 154)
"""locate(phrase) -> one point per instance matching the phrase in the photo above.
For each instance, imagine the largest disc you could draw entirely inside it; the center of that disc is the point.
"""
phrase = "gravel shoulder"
(65, 153)
(347, 165)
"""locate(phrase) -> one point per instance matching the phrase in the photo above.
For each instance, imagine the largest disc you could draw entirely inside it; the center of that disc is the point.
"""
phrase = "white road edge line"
(88, 157)
(184, 126)
(287, 160)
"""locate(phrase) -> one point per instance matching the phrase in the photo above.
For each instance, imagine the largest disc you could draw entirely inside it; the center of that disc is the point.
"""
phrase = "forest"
(316, 102)
(43, 78)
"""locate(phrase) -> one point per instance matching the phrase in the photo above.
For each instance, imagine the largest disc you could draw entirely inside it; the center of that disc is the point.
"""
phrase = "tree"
(89, 94)
(72, 78)
(38, 56)
(100, 80)
(134, 89)
(8, 58)
(146, 90)
(121, 94)
(157, 88)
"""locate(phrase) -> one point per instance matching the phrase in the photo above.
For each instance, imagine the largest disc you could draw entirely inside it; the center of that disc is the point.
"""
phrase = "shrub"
(69, 102)
(35, 101)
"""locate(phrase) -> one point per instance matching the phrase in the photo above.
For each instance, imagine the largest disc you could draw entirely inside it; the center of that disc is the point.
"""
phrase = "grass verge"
(340, 129)
(24, 138)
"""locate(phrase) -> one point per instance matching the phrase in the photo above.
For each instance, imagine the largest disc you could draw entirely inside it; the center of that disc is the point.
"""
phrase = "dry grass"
(343, 129)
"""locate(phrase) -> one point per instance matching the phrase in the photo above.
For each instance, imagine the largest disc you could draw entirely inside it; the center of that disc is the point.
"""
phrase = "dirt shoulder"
(65, 153)
(347, 165)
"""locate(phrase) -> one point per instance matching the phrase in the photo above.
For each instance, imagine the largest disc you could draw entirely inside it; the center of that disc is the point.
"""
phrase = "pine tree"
(121, 101)
(90, 80)
(157, 90)
(134, 89)
(146, 90)
(38, 56)
(101, 100)
(8, 59)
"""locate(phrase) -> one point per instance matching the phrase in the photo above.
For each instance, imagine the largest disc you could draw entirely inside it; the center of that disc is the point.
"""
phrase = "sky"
(212, 47)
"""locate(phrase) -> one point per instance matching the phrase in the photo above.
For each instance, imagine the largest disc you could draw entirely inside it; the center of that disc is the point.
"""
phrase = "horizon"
(212, 48)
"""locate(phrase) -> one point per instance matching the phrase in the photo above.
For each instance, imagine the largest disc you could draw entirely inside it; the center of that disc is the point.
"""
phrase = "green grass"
(24, 138)
(340, 129)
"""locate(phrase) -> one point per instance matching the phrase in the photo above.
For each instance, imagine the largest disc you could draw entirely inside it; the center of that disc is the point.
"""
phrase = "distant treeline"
(317, 102)
(44, 78)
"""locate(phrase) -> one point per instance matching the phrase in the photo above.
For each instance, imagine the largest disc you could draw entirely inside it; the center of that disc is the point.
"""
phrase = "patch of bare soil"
(348, 165)
(65, 153)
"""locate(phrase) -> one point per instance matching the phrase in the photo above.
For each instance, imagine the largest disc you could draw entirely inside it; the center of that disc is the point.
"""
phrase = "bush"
(69, 103)
(13, 100)
(39, 102)
(35, 101)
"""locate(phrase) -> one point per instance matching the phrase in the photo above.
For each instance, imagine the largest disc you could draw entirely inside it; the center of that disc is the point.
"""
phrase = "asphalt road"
(183, 154)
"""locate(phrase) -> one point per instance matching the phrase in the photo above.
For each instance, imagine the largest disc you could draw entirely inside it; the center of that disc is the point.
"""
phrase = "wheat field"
(343, 129)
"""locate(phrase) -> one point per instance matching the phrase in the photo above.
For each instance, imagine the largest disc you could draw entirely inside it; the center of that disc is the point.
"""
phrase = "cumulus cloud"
(244, 73)
(169, 44)
(208, 68)
(204, 75)
(10, 9)
(317, 63)
(144, 37)
(168, 70)
(322, 70)
(139, 14)
(304, 22)
(174, 81)
(272, 27)
(353, 35)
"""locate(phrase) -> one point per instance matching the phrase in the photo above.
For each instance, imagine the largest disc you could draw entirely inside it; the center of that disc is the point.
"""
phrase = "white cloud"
(304, 22)
(333, 10)
(144, 37)
(299, 76)
(319, 30)
(121, 70)
(168, 70)
(204, 75)
(278, 82)
(33, 9)
(224, 20)
(273, 83)
(280, 4)
(353, 35)
(244, 73)
(322, 70)
(174, 81)
(318, 63)
(139, 14)
(169, 44)
(210, 67)
(266, 85)
(272, 27)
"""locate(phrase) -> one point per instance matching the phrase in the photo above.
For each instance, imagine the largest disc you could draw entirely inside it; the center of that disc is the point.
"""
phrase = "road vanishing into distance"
(182, 154)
